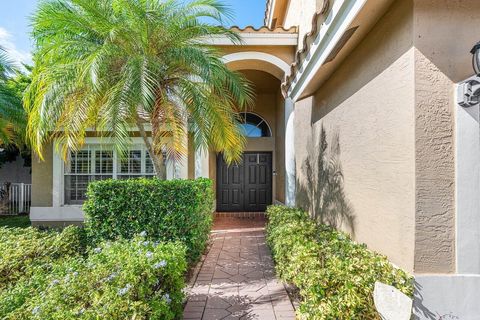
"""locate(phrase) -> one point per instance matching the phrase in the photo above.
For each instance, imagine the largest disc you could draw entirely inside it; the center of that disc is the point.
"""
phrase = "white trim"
(446, 296)
(57, 175)
(56, 213)
(467, 179)
(261, 56)
(338, 21)
(147, 126)
(58, 192)
(290, 171)
(202, 164)
(258, 39)
(264, 120)
(270, 12)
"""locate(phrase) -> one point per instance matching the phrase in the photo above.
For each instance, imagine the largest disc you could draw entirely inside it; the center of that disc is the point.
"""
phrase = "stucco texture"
(42, 179)
(441, 60)
(366, 110)
(300, 13)
(388, 110)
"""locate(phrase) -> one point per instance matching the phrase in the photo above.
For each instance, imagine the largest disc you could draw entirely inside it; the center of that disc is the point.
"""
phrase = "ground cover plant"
(21, 221)
(175, 210)
(129, 262)
(52, 275)
(335, 276)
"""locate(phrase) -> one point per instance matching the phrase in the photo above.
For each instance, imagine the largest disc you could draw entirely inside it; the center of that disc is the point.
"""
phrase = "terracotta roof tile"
(264, 29)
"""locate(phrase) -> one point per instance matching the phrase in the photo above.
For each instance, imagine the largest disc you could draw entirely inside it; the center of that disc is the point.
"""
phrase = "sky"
(15, 23)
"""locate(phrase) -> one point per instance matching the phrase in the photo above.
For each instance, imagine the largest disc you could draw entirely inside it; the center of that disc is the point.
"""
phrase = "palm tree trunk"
(157, 158)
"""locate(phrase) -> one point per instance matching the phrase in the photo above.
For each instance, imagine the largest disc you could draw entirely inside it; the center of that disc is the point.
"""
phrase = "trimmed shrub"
(126, 279)
(177, 210)
(335, 276)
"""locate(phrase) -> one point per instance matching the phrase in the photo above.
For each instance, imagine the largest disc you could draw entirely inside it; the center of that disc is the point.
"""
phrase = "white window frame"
(92, 149)
(58, 187)
(270, 132)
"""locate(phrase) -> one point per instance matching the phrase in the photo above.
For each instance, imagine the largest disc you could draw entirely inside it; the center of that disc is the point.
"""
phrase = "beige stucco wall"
(367, 107)
(299, 13)
(441, 60)
(265, 106)
(42, 179)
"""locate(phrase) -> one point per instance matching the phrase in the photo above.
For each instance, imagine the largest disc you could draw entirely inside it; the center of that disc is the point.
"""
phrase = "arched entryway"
(261, 179)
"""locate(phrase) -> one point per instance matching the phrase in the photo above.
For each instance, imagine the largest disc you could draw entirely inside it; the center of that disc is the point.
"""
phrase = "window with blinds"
(99, 163)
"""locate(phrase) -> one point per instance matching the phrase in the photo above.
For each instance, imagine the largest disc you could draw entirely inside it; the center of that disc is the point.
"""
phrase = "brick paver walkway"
(237, 278)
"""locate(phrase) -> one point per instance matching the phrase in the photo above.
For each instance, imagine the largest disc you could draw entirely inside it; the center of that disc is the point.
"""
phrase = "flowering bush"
(177, 210)
(126, 279)
(23, 251)
(335, 276)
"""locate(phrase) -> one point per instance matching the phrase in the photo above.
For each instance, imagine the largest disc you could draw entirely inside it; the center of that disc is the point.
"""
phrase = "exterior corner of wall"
(434, 169)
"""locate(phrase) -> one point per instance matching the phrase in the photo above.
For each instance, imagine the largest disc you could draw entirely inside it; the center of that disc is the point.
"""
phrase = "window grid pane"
(80, 162)
(132, 164)
(104, 161)
(149, 169)
(91, 165)
(253, 126)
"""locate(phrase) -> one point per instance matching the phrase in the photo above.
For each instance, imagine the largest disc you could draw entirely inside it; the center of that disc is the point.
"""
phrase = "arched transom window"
(254, 126)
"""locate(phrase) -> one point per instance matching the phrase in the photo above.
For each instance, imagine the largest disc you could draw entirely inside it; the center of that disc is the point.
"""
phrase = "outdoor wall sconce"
(476, 58)
(469, 91)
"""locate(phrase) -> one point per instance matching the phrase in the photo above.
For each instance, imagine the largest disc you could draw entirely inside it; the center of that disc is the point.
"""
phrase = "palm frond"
(108, 63)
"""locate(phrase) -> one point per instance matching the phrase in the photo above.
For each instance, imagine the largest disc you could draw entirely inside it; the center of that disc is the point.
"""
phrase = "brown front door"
(246, 186)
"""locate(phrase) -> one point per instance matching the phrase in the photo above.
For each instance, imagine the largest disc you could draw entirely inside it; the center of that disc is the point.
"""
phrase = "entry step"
(247, 215)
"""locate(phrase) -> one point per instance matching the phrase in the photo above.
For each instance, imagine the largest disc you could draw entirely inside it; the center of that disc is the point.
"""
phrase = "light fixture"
(476, 58)
(469, 90)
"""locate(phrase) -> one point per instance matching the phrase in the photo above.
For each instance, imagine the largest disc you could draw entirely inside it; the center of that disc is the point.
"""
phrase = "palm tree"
(12, 115)
(114, 64)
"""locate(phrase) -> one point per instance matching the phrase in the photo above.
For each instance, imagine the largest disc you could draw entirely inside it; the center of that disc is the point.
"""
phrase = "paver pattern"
(237, 278)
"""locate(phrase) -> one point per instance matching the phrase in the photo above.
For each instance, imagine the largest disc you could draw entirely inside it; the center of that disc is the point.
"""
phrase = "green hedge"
(126, 279)
(178, 210)
(335, 276)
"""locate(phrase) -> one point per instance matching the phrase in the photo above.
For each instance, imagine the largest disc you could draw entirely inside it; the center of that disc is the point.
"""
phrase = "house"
(356, 119)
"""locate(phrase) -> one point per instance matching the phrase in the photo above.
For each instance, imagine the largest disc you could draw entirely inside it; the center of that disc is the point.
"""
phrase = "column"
(290, 175)
(201, 164)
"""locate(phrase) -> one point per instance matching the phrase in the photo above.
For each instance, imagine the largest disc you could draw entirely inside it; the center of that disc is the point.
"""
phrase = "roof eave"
(262, 36)
(314, 63)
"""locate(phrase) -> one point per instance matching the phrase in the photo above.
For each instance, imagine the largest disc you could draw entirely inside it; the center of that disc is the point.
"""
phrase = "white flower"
(143, 234)
(111, 277)
(54, 282)
(146, 243)
(97, 250)
(166, 297)
(36, 310)
(81, 311)
(160, 264)
(123, 291)
(75, 274)
(149, 255)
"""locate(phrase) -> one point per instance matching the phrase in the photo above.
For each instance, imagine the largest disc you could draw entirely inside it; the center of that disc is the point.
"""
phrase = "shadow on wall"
(421, 312)
(322, 192)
